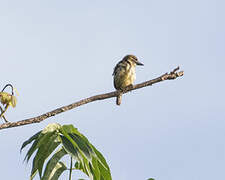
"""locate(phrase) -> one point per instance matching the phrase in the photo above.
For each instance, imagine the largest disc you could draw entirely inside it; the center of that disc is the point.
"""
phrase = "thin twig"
(167, 76)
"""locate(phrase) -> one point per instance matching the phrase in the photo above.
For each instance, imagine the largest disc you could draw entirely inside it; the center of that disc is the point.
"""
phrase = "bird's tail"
(119, 99)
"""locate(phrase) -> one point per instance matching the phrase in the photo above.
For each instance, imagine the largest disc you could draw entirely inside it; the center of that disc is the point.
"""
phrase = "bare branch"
(167, 76)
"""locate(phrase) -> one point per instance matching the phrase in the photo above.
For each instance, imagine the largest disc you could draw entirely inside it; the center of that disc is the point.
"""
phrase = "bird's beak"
(139, 63)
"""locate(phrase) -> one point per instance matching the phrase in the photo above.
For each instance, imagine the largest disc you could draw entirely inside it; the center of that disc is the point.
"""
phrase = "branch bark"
(167, 76)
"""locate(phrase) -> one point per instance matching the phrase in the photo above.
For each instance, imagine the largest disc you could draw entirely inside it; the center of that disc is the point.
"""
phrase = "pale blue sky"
(57, 52)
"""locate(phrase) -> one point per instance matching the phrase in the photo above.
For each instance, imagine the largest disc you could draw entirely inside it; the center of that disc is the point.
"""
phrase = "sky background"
(58, 52)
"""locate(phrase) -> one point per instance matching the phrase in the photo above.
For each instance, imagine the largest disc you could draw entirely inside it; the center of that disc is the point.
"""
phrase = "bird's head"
(133, 60)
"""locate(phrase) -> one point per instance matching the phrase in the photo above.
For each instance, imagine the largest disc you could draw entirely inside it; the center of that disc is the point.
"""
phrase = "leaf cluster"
(57, 141)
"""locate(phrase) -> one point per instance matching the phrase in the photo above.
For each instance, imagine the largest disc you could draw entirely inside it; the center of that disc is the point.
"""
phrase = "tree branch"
(167, 76)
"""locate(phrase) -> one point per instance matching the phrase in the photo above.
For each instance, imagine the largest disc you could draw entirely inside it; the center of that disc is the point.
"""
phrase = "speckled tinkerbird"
(124, 74)
(7, 100)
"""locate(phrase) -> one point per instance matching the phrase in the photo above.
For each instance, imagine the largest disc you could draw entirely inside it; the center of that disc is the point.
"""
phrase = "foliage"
(69, 141)
(7, 100)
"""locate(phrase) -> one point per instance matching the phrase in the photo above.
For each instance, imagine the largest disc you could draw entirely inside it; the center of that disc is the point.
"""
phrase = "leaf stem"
(71, 165)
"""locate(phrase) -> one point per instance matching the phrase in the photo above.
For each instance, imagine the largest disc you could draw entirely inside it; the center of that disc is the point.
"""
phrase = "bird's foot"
(128, 87)
(124, 90)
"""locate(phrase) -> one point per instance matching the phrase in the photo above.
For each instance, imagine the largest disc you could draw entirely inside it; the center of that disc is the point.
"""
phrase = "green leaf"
(76, 138)
(31, 151)
(33, 175)
(101, 159)
(45, 150)
(57, 171)
(82, 145)
(46, 147)
(105, 173)
(69, 129)
(52, 163)
(45, 133)
(73, 145)
(34, 147)
(95, 169)
(45, 142)
(70, 148)
(88, 159)
(102, 165)
(32, 138)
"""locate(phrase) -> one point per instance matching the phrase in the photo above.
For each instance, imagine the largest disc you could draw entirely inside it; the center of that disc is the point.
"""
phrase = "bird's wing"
(119, 65)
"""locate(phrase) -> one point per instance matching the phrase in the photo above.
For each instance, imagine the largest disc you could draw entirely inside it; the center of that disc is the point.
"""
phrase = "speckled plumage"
(124, 74)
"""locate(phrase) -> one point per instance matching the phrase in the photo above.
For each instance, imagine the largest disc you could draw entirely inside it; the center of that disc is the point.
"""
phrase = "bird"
(124, 74)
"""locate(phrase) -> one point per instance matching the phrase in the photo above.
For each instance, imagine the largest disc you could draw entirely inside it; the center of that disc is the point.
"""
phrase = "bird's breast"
(124, 78)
